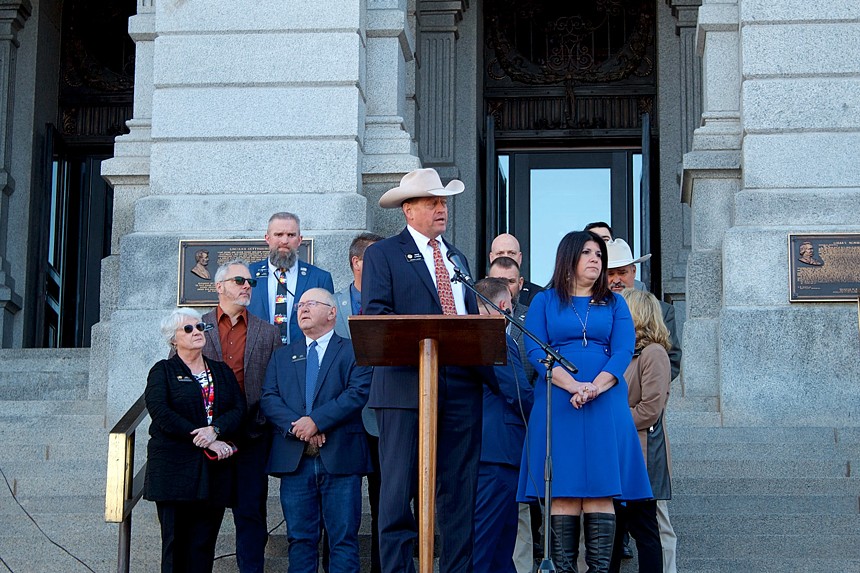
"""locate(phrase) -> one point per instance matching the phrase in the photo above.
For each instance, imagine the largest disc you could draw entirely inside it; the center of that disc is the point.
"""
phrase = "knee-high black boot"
(599, 539)
(564, 542)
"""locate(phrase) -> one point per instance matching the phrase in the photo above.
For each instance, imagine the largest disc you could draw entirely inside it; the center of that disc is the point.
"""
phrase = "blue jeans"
(311, 497)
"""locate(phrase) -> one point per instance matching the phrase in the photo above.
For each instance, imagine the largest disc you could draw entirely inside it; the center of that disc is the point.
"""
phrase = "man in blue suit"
(313, 396)
(282, 278)
(505, 415)
(411, 274)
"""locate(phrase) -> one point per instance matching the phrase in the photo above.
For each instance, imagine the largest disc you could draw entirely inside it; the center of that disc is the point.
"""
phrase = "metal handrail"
(124, 487)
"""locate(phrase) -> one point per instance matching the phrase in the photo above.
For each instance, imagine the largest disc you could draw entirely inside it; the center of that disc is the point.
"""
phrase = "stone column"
(257, 107)
(13, 14)
(711, 177)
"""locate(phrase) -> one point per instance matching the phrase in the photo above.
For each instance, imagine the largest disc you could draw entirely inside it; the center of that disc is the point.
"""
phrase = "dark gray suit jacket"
(261, 342)
(341, 328)
(520, 311)
(675, 351)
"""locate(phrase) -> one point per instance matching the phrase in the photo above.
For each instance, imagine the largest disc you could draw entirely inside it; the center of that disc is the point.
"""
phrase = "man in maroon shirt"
(246, 344)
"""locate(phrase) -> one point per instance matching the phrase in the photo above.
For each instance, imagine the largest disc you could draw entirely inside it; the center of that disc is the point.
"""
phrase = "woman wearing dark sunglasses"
(196, 408)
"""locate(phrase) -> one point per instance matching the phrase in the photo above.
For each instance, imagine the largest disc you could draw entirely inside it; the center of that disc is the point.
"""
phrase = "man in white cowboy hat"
(410, 273)
(621, 274)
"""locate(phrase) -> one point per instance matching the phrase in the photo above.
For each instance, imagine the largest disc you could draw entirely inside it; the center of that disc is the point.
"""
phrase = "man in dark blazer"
(508, 269)
(284, 237)
(245, 343)
(410, 274)
(313, 396)
(505, 415)
(506, 245)
(348, 303)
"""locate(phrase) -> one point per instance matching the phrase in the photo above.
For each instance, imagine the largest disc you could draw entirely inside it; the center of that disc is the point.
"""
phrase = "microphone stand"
(552, 356)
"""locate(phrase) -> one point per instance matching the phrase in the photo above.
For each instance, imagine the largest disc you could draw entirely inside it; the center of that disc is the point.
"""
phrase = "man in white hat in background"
(410, 273)
(621, 274)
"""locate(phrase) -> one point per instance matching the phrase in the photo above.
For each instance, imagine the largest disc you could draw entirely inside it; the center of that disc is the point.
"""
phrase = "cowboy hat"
(419, 183)
(619, 254)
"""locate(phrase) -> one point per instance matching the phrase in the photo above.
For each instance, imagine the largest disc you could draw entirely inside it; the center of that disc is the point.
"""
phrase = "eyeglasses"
(189, 328)
(241, 280)
(309, 304)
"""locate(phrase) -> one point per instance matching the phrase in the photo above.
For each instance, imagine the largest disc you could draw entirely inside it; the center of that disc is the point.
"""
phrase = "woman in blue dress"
(595, 449)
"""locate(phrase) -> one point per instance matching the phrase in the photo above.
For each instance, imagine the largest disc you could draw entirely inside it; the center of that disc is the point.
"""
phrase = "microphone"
(460, 268)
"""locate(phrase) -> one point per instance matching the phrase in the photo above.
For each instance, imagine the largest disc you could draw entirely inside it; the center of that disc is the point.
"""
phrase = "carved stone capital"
(13, 14)
(441, 15)
(686, 12)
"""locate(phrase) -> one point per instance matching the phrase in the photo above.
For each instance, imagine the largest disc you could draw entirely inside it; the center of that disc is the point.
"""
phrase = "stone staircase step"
(690, 486)
(764, 435)
(43, 386)
(756, 451)
(741, 504)
(51, 407)
(95, 437)
(688, 526)
(767, 565)
(760, 468)
(693, 419)
(678, 403)
(68, 422)
(777, 546)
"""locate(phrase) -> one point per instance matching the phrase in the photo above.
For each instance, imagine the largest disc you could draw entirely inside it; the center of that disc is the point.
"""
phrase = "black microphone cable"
(42, 531)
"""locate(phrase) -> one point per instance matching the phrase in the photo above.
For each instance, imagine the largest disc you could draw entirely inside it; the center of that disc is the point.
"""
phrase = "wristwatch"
(217, 431)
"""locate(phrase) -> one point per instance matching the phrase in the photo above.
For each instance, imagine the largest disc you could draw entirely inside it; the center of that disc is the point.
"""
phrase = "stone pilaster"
(128, 172)
(711, 178)
(389, 149)
(684, 82)
(242, 125)
(437, 58)
(13, 14)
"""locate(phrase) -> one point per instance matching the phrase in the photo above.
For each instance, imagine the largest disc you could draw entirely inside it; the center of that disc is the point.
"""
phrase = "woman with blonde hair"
(648, 377)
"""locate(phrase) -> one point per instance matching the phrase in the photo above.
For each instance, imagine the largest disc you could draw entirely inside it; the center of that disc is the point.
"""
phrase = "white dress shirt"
(322, 343)
(427, 252)
(292, 279)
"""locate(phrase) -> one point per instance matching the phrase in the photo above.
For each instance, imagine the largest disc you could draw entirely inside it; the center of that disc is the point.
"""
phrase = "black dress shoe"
(627, 552)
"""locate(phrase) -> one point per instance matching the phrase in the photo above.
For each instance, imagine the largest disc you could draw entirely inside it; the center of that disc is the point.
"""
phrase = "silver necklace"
(584, 324)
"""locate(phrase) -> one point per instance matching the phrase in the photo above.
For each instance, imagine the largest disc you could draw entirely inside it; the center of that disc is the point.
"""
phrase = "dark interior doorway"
(74, 212)
(569, 94)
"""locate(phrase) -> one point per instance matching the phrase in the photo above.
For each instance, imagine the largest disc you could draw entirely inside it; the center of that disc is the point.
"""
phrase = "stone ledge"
(708, 165)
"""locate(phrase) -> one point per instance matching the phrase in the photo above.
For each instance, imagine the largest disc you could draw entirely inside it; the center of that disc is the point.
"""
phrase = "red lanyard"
(208, 391)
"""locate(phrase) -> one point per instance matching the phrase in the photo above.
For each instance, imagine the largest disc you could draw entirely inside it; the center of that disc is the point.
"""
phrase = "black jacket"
(176, 469)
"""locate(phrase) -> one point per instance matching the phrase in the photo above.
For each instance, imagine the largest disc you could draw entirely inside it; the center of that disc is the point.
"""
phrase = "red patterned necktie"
(443, 280)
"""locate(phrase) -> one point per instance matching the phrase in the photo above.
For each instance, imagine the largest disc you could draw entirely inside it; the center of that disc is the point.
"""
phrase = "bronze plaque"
(198, 261)
(824, 267)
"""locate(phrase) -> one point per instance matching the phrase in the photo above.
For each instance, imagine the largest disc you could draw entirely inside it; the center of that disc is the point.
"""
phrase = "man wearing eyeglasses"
(313, 395)
(282, 278)
(246, 343)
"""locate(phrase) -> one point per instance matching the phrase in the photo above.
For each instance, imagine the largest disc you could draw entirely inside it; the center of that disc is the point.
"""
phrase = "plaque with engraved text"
(824, 267)
(198, 261)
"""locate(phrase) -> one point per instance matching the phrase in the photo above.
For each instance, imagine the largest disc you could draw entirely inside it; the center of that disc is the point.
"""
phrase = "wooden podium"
(428, 341)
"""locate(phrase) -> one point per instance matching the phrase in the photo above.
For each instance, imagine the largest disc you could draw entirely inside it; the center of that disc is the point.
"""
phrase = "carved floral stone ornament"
(538, 42)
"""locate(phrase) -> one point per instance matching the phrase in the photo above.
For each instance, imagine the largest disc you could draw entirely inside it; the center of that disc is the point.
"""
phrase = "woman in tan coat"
(648, 378)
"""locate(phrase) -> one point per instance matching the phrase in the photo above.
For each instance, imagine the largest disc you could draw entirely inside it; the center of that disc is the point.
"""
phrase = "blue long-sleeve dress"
(595, 449)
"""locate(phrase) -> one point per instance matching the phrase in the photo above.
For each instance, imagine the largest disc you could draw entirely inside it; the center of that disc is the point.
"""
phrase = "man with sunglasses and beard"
(246, 343)
(283, 278)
